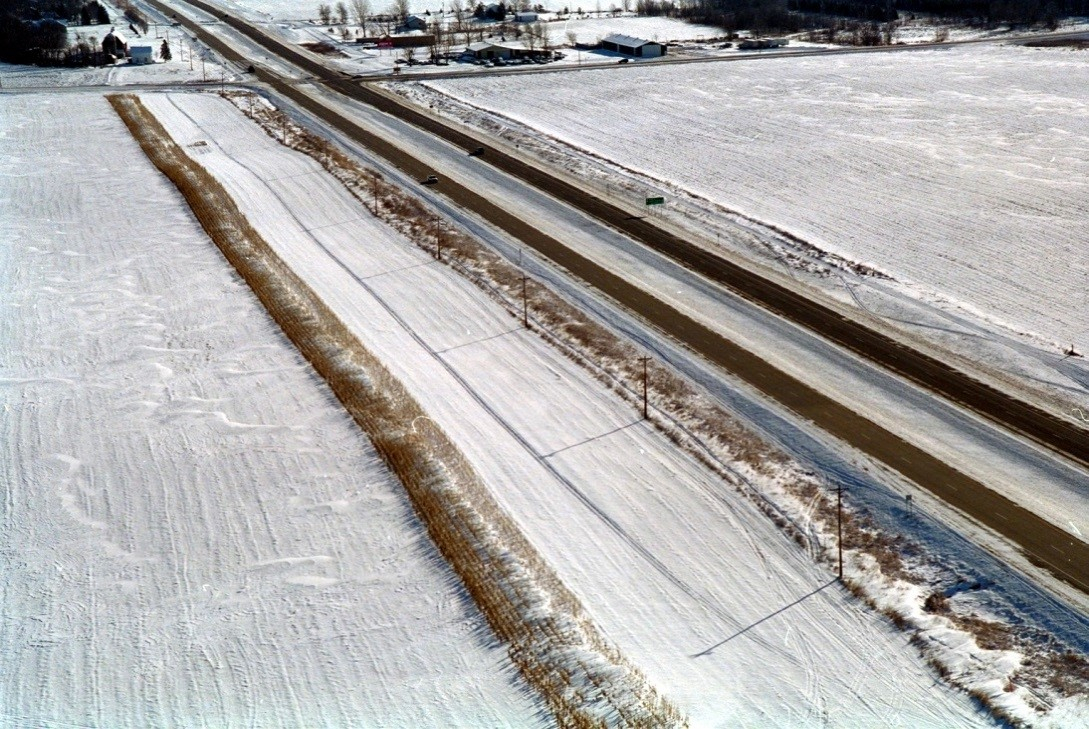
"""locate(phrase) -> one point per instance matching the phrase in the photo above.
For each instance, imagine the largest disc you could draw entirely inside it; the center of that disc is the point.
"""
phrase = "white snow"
(907, 162)
(690, 581)
(193, 531)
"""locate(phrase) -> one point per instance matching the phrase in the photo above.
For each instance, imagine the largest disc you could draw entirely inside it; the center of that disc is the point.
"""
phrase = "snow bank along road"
(694, 596)
(1046, 544)
(192, 530)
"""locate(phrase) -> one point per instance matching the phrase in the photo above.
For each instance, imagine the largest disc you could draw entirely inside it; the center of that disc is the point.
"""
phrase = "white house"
(629, 46)
(141, 55)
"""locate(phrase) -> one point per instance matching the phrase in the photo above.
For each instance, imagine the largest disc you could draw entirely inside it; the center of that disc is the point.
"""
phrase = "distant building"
(487, 50)
(414, 22)
(526, 17)
(629, 46)
(414, 40)
(114, 44)
(750, 44)
(141, 55)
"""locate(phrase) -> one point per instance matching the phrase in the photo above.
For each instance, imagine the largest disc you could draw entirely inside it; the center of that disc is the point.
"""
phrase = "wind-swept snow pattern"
(721, 612)
(192, 530)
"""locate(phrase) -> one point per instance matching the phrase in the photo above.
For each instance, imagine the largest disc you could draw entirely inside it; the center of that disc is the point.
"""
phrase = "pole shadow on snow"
(764, 619)
(592, 439)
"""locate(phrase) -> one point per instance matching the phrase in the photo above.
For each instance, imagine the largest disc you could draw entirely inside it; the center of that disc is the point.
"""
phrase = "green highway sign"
(655, 201)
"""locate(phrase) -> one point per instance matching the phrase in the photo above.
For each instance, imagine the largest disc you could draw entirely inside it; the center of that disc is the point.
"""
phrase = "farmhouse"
(141, 55)
(629, 46)
(414, 22)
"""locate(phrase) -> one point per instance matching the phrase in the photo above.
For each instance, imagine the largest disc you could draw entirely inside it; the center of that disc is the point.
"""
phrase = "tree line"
(791, 16)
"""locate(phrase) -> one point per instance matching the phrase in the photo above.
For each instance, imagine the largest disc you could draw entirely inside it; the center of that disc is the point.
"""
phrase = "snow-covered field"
(971, 199)
(193, 531)
(723, 613)
(192, 526)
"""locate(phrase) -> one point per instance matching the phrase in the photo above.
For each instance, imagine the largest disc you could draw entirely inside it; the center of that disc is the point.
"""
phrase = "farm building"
(487, 50)
(412, 40)
(414, 22)
(526, 17)
(114, 44)
(141, 55)
(629, 46)
(750, 44)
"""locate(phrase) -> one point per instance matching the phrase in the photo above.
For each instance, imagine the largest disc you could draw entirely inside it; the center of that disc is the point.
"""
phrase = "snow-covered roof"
(114, 32)
(509, 45)
(627, 40)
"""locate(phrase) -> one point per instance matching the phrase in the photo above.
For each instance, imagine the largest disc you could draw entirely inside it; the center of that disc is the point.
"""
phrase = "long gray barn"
(629, 46)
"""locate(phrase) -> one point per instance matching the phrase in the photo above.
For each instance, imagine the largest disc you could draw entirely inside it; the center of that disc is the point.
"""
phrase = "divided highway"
(1044, 543)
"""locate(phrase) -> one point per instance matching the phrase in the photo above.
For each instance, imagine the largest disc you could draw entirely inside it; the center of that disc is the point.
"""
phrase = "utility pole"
(438, 239)
(645, 359)
(839, 526)
(525, 304)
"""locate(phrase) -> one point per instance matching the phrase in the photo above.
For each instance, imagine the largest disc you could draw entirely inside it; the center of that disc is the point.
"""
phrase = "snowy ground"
(194, 532)
(908, 163)
(176, 71)
(679, 573)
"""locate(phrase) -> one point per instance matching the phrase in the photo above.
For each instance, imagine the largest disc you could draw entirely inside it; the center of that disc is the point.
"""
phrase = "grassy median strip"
(583, 681)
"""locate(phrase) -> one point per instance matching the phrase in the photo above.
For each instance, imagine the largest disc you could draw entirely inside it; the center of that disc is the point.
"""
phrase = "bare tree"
(399, 9)
(434, 46)
(325, 13)
(361, 9)
(572, 38)
(342, 13)
(458, 10)
(536, 36)
(530, 38)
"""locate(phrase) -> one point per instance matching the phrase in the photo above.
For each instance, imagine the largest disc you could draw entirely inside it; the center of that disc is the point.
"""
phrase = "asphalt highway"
(1042, 542)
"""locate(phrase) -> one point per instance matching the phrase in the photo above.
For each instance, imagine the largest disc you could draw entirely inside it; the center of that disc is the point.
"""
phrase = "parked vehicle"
(430, 180)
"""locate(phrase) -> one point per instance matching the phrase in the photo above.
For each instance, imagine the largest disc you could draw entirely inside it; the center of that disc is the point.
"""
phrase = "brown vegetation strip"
(555, 647)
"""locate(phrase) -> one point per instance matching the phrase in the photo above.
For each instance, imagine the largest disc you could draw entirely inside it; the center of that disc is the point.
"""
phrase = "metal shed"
(631, 46)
